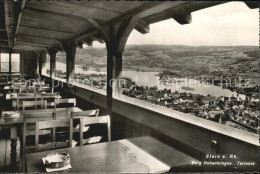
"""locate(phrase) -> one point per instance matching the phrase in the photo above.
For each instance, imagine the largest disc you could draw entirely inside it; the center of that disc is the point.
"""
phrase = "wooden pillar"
(42, 62)
(114, 66)
(37, 62)
(115, 44)
(52, 64)
(10, 62)
(70, 48)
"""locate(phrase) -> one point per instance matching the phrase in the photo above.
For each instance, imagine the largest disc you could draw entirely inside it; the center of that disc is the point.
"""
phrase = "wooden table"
(136, 155)
(7, 88)
(13, 96)
(15, 123)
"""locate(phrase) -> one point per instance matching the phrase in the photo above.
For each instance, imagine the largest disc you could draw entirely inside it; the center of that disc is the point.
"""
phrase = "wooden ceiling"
(37, 25)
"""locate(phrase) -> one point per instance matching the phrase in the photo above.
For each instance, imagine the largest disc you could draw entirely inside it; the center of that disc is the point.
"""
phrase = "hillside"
(197, 60)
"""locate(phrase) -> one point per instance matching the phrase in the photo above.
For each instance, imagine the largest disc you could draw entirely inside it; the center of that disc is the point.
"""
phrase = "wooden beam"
(252, 5)
(136, 11)
(98, 38)
(52, 64)
(9, 21)
(182, 16)
(34, 39)
(80, 44)
(99, 28)
(33, 43)
(3, 40)
(115, 48)
(142, 27)
(10, 60)
(39, 8)
(70, 49)
(78, 9)
(28, 27)
(3, 44)
(64, 14)
(27, 47)
(149, 9)
(19, 19)
(123, 33)
(86, 5)
(88, 41)
(60, 44)
(46, 50)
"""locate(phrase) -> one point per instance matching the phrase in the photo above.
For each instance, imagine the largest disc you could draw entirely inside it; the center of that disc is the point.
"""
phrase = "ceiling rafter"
(67, 15)
(9, 21)
(140, 12)
(33, 43)
(89, 6)
(47, 29)
(36, 39)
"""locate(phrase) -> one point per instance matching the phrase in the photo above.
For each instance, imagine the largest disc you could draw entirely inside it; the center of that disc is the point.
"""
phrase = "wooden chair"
(86, 113)
(30, 104)
(46, 89)
(79, 114)
(31, 89)
(18, 83)
(94, 120)
(24, 96)
(38, 83)
(23, 89)
(66, 101)
(50, 97)
(16, 77)
(51, 124)
(3, 79)
(15, 89)
(29, 130)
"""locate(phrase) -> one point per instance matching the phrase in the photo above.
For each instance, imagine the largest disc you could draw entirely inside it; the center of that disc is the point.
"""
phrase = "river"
(152, 79)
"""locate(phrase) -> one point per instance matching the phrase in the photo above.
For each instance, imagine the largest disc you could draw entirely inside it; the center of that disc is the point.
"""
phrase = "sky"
(228, 24)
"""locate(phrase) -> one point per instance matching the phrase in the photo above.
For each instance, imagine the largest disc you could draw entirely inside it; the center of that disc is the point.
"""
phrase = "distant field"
(240, 60)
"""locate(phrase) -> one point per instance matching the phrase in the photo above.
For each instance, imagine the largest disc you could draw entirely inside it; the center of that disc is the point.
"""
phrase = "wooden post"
(70, 48)
(37, 62)
(10, 62)
(115, 44)
(42, 62)
(110, 67)
(52, 64)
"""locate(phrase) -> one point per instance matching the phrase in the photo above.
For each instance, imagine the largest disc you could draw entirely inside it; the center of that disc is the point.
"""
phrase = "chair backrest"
(3, 79)
(39, 115)
(15, 89)
(16, 77)
(31, 89)
(50, 97)
(54, 95)
(57, 102)
(38, 83)
(24, 96)
(44, 89)
(19, 83)
(29, 128)
(87, 113)
(51, 124)
(95, 120)
(29, 104)
(23, 89)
